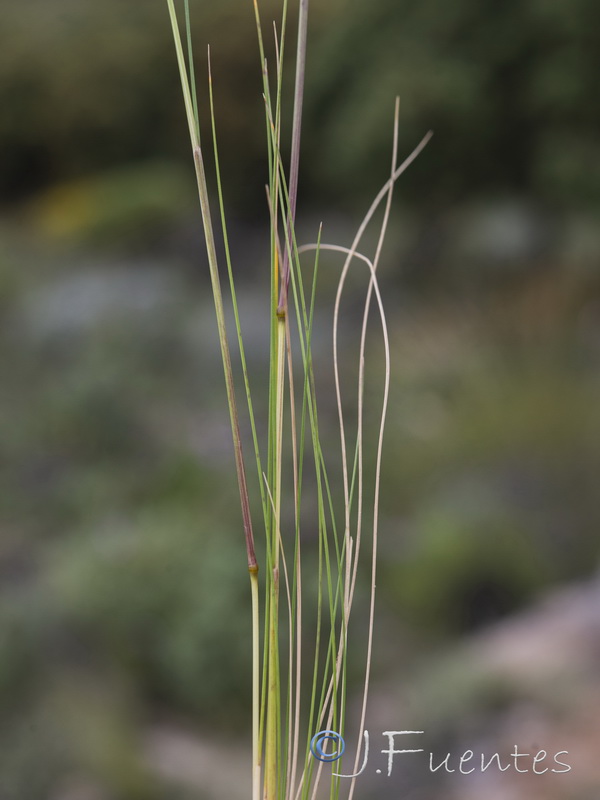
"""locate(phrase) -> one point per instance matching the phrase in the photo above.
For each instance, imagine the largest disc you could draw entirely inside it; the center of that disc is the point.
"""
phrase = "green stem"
(272, 726)
(256, 759)
(216, 287)
(272, 744)
(296, 131)
(192, 119)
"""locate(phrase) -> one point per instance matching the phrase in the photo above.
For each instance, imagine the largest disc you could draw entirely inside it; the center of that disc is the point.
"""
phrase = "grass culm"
(293, 700)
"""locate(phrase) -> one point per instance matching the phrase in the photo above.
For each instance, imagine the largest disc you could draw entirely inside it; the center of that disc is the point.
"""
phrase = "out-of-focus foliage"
(87, 85)
(123, 591)
(122, 204)
(508, 89)
(118, 539)
(521, 442)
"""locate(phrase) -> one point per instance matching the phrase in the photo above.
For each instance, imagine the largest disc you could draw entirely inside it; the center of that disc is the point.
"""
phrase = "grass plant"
(286, 714)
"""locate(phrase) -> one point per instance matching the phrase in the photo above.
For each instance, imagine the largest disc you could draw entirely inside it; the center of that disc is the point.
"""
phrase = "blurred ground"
(124, 647)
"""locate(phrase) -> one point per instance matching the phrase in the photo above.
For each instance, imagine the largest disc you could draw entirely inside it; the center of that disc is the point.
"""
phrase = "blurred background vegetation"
(124, 646)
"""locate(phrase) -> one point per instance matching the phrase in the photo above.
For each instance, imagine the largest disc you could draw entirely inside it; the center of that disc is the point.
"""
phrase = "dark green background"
(124, 645)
